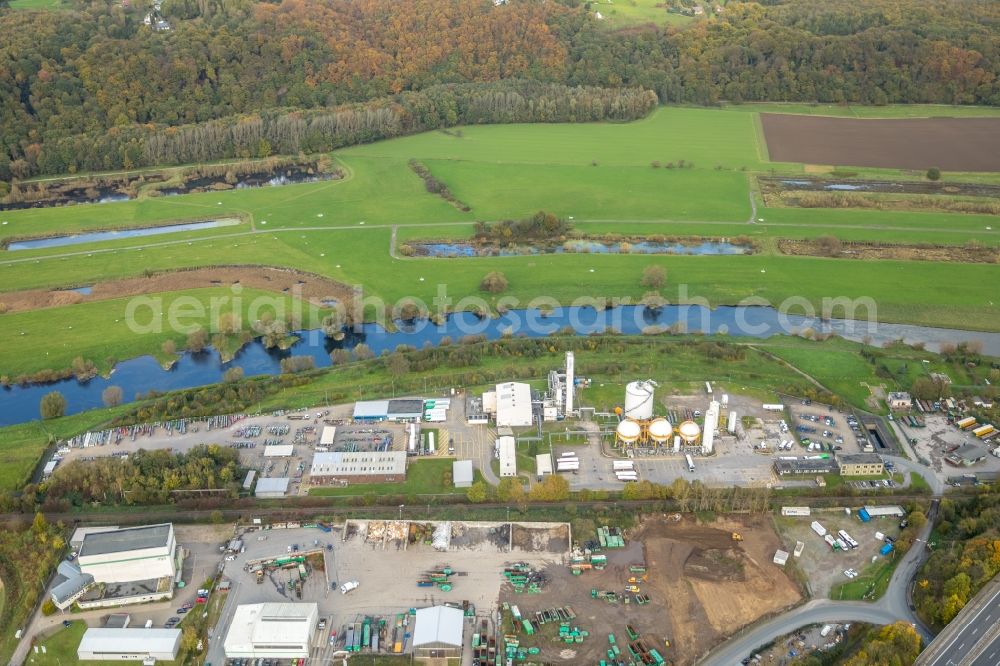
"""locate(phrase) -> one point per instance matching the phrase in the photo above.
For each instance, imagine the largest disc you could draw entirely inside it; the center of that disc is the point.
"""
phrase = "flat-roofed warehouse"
(783, 467)
(461, 473)
(129, 644)
(130, 554)
(397, 409)
(273, 630)
(438, 632)
(329, 467)
(513, 404)
(271, 488)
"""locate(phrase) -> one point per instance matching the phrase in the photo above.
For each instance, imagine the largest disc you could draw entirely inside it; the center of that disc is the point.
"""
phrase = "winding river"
(19, 404)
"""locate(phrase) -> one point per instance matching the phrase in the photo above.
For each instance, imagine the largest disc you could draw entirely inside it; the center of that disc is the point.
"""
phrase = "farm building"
(461, 473)
(861, 464)
(966, 455)
(278, 451)
(271, 488)
(104, 644)
(507, 451)
(438, 632)
(130, 554)
(271, 630)
(785, 467)
(899, 400)
(543, 464)
(510, 404)
(332, 467)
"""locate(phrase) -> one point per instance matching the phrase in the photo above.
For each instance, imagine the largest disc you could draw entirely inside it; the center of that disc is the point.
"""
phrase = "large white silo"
(639, 400)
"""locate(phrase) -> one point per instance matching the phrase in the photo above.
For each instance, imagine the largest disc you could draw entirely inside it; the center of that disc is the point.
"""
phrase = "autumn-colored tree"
(654, 277)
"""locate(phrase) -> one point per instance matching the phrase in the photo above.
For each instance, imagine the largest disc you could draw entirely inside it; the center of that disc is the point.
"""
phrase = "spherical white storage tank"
(628, 431)
(639, 400)
(689, 432)
(660, 431)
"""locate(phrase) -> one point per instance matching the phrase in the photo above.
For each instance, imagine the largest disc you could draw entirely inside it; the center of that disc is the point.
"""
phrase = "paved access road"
(893, 606)
(973, 637)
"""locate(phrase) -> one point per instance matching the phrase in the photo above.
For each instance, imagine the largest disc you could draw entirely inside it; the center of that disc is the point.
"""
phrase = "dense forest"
(145, 477)
(966, 556)
(92, 87)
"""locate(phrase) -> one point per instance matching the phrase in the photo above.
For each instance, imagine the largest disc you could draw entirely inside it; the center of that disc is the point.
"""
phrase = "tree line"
(145, 477)
(965, 557)
(93, 88)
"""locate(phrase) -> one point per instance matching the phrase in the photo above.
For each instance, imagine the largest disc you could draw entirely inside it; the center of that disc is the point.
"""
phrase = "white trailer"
(568, 454)
(773, 407)
(623, 465)
(817, 528)
(628, 477)
(690, 462)
(430, 442)
(708, 388)
(796, 511)
(731, 424)
(830, 540)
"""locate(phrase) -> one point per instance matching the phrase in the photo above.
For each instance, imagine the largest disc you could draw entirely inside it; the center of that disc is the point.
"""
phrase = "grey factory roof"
(406, 406)
(68, 581)
(131, 538)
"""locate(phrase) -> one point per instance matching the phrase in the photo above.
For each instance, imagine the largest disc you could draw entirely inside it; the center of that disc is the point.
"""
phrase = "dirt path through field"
(308, 286)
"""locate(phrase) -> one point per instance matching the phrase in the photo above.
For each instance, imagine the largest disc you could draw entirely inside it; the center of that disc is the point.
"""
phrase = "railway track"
(416, 511)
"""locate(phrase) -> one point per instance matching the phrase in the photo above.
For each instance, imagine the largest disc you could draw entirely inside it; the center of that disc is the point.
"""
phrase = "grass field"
(37, 4)
(627, 13)
(870, 585)
(600, 174)
(53, 338)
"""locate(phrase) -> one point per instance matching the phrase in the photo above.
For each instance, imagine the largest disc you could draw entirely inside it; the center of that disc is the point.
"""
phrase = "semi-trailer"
(983, 431)
(817, 528)
(623, 464)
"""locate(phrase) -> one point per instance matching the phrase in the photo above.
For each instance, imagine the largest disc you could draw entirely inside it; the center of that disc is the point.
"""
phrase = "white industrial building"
(278, 451)
(271, 488)
(511, 404)
(271, 630)
(357, 466)
(507, 452)
(69, 585)
(130, 554)
(328, 435)
(543, 464)
(128, 644)
(438, 632)
(79, 533)
(461, 473)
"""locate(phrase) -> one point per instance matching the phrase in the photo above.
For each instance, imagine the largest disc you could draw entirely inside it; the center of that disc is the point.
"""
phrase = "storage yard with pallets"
(665, 592)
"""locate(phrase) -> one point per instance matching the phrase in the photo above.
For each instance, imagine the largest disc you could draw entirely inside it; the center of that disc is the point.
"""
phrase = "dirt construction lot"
(952, 144)
(702, 586)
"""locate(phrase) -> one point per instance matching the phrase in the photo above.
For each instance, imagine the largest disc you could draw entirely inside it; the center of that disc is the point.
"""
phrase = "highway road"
(973, 637)
(893, 606)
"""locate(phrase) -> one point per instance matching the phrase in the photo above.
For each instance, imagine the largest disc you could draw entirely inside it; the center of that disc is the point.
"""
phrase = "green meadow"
(679, 172)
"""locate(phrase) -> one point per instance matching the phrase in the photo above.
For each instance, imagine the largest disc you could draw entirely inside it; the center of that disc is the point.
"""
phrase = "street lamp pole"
(401, 511)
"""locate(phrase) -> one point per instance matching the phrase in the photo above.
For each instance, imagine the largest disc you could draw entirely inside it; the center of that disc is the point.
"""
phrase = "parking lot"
(826, 427)
(386, 571)
(822, 566)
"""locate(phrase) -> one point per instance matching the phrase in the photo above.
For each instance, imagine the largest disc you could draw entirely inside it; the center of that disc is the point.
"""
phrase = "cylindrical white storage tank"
(689, 432)
(660, 431)
(628, 431)
(639, 400)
